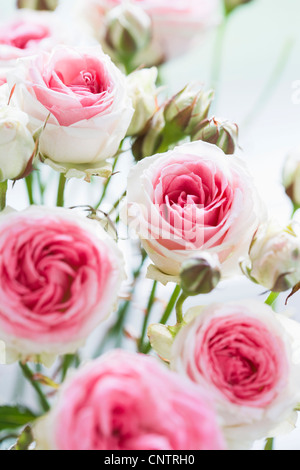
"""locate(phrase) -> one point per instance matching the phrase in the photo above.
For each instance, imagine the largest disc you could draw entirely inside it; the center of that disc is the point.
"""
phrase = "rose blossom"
(16, 143)
(177, 24)
(242, 353)
(190, 199)
(29, 32)
(60, 276)
(87, 99)
(125, 401)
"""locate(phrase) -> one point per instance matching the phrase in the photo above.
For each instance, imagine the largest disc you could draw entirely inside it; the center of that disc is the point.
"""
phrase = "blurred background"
(257, 85)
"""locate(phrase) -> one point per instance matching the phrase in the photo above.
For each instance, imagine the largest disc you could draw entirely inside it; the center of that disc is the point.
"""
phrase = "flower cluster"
(79, 101)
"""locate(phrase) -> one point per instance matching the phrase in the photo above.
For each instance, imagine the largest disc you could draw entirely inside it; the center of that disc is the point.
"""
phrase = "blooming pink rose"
(60, 276)
(176, 24)
(125, 401)
(28, 32)
(242, 354)
(193, 198)
(87, 97)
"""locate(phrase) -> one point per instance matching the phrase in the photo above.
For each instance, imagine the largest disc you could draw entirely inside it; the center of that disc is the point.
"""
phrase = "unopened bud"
(143, 93)
(274, 258)
(161, 340)
(38, 4)
(128, 30)
(231, 5)
(16, 144)
(187, 108)
(149, 143)
(219, 132)
(200, 274)
(291, 176)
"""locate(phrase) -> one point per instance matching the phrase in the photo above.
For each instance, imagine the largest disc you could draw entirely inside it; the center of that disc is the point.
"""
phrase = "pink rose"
(125, 401)
(193, 198)
(60, 276)
(177, 24)
(87, 97)
(28, 32)
(243, 355)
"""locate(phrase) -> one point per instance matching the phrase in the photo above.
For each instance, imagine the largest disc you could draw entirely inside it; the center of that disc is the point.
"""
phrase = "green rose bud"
(200, 275)
(222, 133)
(128, 31)
(38, 4)
(231, 5)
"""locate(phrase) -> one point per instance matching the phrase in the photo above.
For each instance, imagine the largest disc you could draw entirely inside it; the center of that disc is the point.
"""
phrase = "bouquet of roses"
(167, 198)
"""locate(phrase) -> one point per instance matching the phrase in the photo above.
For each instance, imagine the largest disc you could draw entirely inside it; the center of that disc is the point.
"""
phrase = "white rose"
(274, 258)
(16, 143)
(86, 97)
(249, 360)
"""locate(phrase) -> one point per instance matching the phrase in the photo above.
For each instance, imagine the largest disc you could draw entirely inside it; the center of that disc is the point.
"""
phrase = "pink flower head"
(177, 24)
(125, 401)
(60, 275)
(86, 97)
(28, 32)
(241, 353)
(190, 199)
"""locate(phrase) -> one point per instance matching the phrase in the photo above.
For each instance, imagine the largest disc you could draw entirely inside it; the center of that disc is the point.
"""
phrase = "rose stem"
(107, 183)
(117, 328)
(272, 299)
(166, 315)
(28, 374)
(218, 54)
(29, 187)
(60, 201)
(150, 304)
(3, 191)
(271, 84)
(269, 444)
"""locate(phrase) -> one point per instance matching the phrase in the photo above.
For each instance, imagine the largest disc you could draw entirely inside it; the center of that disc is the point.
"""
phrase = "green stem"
(28, 374)
(272, 299)
(3, 191)
(60, 201)
(269, 444)
(147, 316)
(107, 183)
(29, 187)
(179, 305)
(271, 83)
(167, 314)
(115, 332)
(218, 55)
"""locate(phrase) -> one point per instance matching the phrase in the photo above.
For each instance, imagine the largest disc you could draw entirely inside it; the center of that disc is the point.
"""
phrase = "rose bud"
(231, 5)
(16, 144)
(291, 177)
(150, 141)
(187, 108)
(200, 274)
(220, 132)
(274, 258)
(143, 94)
(128, 31)
(38, 4)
